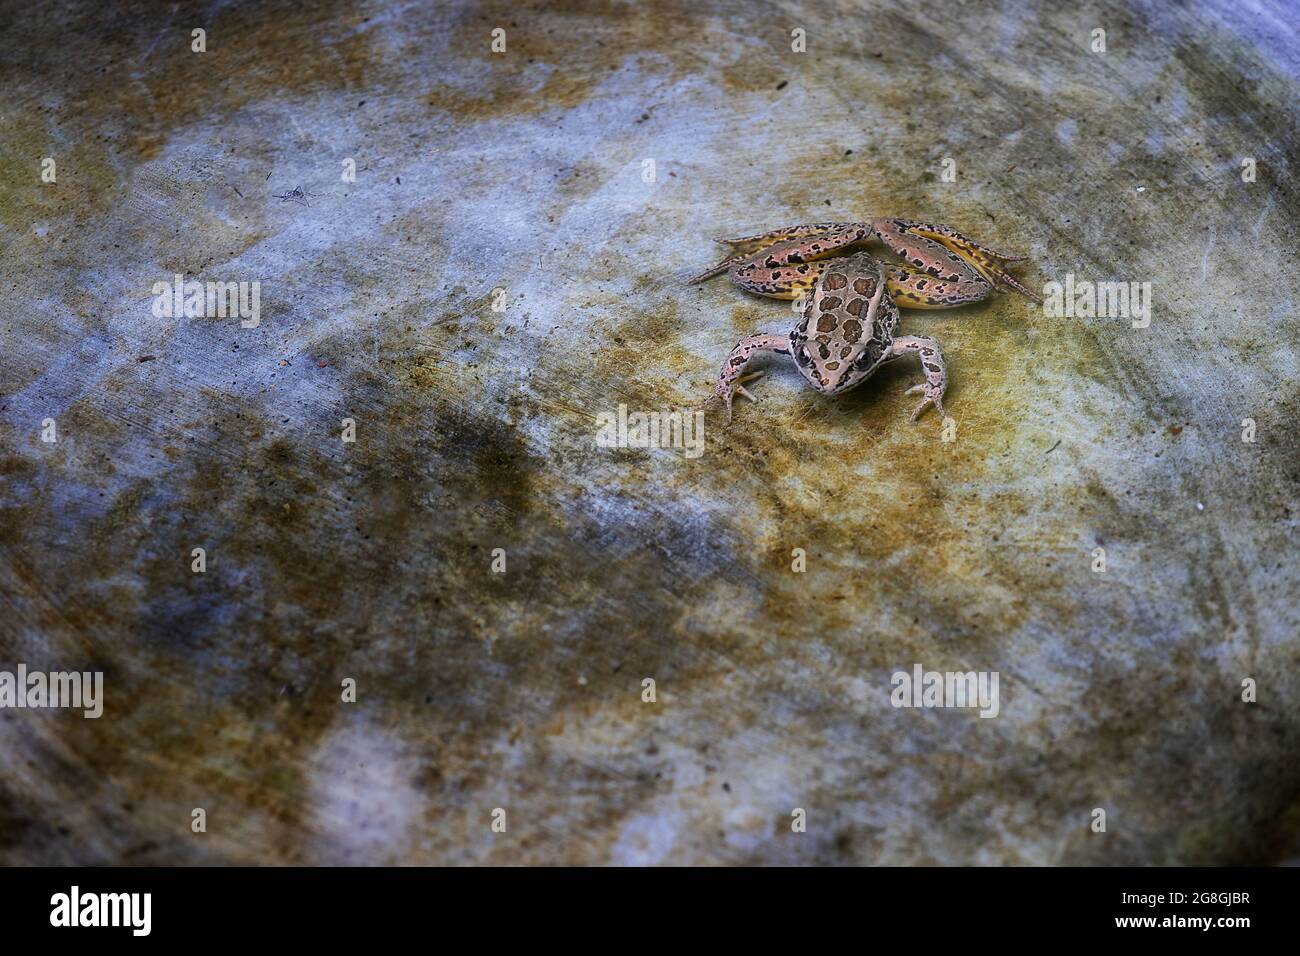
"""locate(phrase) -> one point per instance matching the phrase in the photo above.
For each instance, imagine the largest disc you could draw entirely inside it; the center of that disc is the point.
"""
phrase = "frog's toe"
(722, 266)
(727, 392)
(1007, 280)
(727, 398)
(721, 393)
(932, 397)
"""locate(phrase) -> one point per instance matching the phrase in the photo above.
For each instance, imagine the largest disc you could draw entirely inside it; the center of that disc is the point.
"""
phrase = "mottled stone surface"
(476, 430)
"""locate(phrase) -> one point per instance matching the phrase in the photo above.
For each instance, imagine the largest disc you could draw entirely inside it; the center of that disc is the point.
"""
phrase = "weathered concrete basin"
(526, 171)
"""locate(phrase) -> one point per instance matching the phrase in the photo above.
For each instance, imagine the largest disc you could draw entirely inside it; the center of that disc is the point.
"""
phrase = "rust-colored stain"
(508, 264)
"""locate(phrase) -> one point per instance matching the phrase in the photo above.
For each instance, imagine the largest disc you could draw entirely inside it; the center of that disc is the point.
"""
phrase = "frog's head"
(836, 345)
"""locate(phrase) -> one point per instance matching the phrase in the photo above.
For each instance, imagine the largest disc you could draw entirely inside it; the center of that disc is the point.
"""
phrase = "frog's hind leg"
(761, 269)
(798, 232)
(733, 368)
(776, 278)
(917, 289)
(949, 256)
(777, 272)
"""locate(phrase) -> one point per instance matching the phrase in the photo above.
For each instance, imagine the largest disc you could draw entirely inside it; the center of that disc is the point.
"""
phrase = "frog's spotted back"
(847, 324)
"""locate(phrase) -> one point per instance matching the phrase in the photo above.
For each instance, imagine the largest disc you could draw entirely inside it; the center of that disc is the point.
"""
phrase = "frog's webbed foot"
(936, 374)
(1001, 277)
(733, 369)
(722, 266)
(727, 394)
(965, 270)
(930, 399)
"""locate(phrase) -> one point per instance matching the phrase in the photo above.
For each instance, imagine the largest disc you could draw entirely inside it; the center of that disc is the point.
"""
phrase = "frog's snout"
(834, 376)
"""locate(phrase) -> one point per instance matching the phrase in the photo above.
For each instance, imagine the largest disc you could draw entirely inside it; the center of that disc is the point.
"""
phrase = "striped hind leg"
(797, 232)
(779, 280)
(914, 288)
(793, 245)
(949, 256)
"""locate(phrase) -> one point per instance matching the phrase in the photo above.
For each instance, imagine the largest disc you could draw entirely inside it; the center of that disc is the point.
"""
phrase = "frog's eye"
(801, 355)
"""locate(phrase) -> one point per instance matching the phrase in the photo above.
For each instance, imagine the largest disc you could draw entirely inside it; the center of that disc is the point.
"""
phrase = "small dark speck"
(848, 152)
(1053, 448)
(361, 104)
(783, 84)
(399, 180)
(146, 358)
(1175, 429)
(726, 787)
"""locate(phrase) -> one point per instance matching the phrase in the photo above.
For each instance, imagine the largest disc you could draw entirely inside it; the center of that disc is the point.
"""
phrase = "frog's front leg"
(936, 375)
(734, 367)
(945, 267)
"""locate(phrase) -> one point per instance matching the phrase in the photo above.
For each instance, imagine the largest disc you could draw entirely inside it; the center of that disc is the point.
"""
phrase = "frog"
(846, 329)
